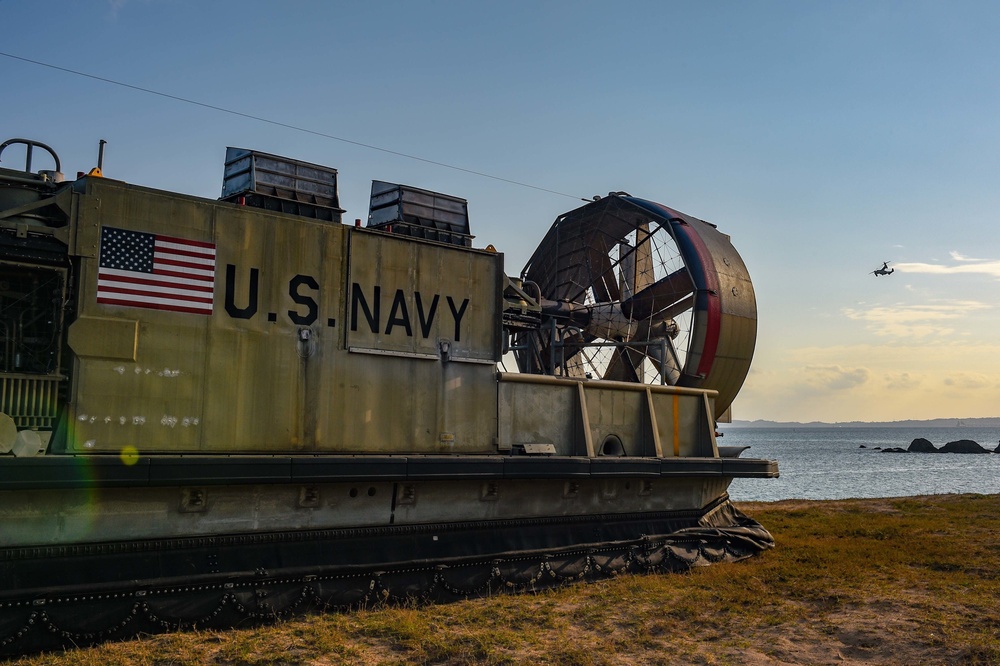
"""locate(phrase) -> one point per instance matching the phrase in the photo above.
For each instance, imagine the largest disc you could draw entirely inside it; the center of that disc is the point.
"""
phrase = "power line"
(278, 123)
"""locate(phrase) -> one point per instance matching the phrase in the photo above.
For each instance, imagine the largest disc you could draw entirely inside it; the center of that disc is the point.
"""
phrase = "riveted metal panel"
(538, 413)
(614, 413)
(682, 424)
(421, 299)
(395, 404)
(104, 337)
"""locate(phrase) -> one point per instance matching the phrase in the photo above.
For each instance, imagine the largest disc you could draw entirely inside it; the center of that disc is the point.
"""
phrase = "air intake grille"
(31, 401)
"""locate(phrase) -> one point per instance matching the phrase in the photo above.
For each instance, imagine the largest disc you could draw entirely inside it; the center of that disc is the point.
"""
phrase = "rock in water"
(963, 446)
(895, 449)
(921, 445)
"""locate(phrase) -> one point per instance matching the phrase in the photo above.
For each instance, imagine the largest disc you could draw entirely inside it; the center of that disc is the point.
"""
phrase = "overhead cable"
(278, 123)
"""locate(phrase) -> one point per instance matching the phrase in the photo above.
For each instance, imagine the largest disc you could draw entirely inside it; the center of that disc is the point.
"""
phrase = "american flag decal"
(146, 270)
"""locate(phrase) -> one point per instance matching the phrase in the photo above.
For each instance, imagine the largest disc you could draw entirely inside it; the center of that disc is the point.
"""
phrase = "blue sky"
(825, 138)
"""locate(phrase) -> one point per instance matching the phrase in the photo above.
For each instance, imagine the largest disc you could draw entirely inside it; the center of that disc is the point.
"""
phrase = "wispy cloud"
(918, 321)
(958, 256)
(968, 380)
(901, 381)
(116, 6)
(964, 265)
(836, 377)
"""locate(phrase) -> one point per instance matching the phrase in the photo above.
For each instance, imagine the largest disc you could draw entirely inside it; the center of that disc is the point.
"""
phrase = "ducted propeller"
(635, 291)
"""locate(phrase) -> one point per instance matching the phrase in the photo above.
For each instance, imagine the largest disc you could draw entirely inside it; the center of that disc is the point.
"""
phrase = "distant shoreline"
(989, 422)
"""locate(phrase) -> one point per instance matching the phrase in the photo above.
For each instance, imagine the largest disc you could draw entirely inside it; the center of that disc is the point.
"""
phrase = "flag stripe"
(186, 243)
(198, 257)
(191, 276)
(159, 278)
(180, 247)
(146, 297)
(161, 304)
(153, 296)
(133, 286)
(159, 260)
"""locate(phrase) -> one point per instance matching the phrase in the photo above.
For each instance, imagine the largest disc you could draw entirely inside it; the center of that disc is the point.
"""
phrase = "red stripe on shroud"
(712, 331)
(713, 305)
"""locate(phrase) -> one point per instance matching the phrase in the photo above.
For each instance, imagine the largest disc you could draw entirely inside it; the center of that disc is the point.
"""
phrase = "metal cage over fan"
(631, 290)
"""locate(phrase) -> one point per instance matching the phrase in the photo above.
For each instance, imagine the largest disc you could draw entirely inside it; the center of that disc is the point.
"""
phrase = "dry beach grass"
(887, 581)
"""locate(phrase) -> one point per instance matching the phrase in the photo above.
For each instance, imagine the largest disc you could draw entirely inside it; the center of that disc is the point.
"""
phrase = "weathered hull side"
(90, 561)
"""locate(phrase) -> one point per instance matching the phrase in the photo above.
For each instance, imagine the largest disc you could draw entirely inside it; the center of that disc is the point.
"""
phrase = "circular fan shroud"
(575, 263)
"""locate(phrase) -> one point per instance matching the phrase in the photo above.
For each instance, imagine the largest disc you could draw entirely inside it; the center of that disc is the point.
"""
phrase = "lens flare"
(129, 455)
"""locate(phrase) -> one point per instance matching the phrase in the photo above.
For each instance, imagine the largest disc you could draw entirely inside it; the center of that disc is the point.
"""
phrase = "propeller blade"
(572, 346)
(674, 309)
(643, 258)
(668, 366)
(635, 264)
(626, 270)
(622, 367)
(658, 295)
(604, 283)
(627, 360)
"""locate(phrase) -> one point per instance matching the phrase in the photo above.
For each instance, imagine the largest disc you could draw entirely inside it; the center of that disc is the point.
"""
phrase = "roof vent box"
(281, 184)
(410, 211)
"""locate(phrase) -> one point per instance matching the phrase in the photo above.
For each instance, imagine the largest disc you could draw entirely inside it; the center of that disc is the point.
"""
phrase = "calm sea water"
(828, 463)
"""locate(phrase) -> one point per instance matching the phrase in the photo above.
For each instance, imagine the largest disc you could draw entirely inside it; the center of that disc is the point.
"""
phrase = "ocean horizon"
(976, 422)
(842, 462)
